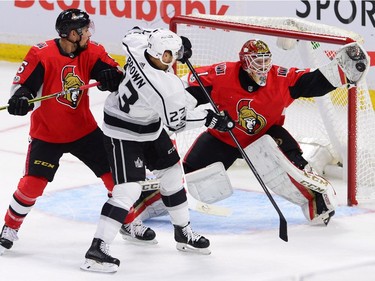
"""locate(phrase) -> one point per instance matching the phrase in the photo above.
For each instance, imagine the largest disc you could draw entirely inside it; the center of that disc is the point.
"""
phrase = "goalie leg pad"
(300, 187)
(147, 206)
(210, 184)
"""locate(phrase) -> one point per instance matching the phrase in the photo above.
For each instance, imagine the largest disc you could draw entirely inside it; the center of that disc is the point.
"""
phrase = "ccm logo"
(45, 164)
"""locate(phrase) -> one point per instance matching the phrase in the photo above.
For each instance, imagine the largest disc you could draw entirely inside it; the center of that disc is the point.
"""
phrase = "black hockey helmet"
(71, 19)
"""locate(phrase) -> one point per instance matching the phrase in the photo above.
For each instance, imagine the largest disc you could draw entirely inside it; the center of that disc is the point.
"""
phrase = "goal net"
(336, 130)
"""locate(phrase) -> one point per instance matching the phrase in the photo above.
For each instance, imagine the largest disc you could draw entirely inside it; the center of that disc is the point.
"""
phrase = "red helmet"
(256, 59)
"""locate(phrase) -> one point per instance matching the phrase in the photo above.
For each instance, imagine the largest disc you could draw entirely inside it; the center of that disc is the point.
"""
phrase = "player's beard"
(81, 47)
(84, 46)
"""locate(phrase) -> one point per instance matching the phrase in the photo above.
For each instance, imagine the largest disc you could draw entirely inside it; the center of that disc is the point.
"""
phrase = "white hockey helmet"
(256, 59)
(161, 40)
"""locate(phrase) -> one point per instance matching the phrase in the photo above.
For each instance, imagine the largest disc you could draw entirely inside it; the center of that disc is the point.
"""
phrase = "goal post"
(340, 125)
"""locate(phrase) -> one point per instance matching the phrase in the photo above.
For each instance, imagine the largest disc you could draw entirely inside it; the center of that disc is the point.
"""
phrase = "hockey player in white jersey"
(150, 97)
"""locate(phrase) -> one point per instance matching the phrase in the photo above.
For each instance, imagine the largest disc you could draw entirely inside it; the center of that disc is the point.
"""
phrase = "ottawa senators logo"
(70, 81)
(249, 120)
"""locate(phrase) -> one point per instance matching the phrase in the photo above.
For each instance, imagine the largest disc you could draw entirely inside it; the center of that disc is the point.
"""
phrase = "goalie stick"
(194, 204)
(283, 231)
(62, 93)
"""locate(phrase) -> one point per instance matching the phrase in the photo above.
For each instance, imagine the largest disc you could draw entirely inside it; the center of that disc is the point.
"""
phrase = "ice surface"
(245, 246)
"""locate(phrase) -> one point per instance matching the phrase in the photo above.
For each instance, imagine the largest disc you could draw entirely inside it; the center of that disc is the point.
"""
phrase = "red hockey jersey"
(44, 71)
(253, 112)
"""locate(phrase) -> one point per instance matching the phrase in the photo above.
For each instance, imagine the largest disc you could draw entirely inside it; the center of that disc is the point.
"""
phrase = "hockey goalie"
(255, 92)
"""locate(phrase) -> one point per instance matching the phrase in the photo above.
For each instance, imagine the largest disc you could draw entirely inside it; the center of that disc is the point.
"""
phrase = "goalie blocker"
(311, 192)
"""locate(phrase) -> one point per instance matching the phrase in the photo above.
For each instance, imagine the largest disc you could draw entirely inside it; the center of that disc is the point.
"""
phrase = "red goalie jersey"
(65, 118)
(255, 109)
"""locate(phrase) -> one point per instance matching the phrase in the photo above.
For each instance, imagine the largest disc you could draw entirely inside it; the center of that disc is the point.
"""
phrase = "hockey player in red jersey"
(63, 124)
(256, 94)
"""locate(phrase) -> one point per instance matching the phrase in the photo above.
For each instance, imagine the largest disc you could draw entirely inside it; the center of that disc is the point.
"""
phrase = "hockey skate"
(138, 232)
(98, 258)
(325, 202)
(324, 214)
(189, 241)
(7, 237)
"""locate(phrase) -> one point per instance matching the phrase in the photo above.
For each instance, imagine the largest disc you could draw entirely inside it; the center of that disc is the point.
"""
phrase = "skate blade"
(190, 249)
(330, 215)
(139, 241)
(323, 218)
(103, 267)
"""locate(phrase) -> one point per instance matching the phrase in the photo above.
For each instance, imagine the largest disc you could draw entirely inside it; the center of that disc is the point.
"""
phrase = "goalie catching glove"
(349, 66)
(219, 121)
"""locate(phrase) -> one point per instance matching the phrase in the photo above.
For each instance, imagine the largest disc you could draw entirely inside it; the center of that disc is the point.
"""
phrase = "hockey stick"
(283, 229)
(59, 94)
(194, 204)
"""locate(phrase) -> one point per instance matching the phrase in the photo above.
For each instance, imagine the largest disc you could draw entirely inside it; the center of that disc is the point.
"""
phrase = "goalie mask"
(256, 60)
(162, 40)
(73, 19)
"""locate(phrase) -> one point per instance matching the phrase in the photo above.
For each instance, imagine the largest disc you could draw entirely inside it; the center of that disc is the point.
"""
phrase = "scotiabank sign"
(147, 10)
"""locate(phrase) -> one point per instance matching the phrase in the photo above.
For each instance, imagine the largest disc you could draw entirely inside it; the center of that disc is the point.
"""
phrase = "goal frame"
(295, 34)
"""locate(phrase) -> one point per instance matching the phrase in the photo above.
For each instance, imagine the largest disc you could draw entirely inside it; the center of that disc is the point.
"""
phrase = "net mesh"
(323, 121)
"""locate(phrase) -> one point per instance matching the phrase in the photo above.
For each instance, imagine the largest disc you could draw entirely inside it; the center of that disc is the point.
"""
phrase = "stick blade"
(283, 230)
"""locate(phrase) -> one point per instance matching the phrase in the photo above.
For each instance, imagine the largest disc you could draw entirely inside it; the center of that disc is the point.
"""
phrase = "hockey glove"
(109, 79)
(18, 104)
(352, 61)
(219, 121)
(187, 50)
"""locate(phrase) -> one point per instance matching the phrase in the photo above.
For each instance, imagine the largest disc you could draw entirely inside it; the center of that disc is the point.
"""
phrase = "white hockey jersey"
(147, 98)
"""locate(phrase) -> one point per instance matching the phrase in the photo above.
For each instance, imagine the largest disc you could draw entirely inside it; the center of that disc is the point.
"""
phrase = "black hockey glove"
(219, 121)
(109, 79)
(187, 49)
(18, 104)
